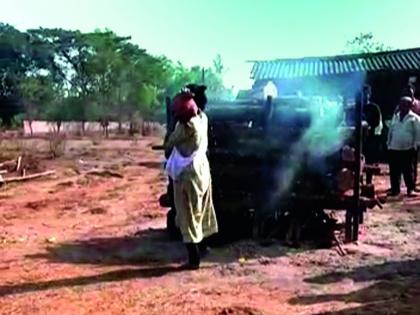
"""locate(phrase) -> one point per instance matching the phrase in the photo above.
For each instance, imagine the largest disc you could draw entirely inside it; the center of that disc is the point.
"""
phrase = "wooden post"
(348, 225)
(170, 126)
(168, 111)
(267, 113)
(355, 223)
(358, 149)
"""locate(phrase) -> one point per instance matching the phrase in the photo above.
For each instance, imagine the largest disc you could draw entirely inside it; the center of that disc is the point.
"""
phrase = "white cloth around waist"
(177, 162)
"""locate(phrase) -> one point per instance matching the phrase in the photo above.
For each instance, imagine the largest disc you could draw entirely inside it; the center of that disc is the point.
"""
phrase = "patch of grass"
(57, 144)
(84, 181)
(96, 140)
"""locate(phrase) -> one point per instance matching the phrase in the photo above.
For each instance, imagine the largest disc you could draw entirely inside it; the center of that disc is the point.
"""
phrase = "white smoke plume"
(322, 138)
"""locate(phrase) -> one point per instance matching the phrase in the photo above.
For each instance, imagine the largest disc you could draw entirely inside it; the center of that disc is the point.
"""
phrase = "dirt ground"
(82, 244)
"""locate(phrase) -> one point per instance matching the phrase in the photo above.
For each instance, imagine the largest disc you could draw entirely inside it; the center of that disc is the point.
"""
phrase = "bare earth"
(87, 244)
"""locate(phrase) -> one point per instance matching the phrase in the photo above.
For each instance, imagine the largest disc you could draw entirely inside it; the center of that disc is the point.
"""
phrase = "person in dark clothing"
(403, 139)
(372, 143)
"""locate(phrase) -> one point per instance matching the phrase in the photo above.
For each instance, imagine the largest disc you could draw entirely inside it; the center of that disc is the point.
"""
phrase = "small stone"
(51, 239)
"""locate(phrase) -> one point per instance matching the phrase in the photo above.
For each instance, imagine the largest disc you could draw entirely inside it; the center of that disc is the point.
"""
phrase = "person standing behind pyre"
(410, 92)
(403, 140)
(372, 144)
(189, 169)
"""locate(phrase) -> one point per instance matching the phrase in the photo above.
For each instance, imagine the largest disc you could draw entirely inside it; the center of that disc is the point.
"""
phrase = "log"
(8, 163)
(26, 178)
(331, 202)
(3, 172)
(18, 163)
(104, 173)
(340, 248)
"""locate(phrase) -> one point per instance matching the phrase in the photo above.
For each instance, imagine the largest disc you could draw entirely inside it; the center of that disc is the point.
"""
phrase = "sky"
(195, 31)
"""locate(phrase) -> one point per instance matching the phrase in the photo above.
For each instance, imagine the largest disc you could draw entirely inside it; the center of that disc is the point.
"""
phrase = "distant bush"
(57, 144)
(17, 121)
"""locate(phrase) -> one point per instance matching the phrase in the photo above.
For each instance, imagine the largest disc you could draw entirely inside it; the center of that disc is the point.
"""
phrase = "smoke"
(320, 139)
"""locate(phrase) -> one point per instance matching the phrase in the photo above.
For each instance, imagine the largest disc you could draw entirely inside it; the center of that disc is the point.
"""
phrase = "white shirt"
(404, 134)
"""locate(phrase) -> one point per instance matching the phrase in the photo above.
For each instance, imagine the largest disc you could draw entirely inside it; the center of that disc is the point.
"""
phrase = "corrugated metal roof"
(398, 60)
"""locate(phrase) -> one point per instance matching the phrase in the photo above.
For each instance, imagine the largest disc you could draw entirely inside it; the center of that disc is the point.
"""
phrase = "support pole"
(358, 149)
(348, 225)
(170, 121)
(268, 113)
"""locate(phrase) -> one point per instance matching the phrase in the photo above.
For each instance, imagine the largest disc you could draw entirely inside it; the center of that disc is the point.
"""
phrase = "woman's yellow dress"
(195, 214)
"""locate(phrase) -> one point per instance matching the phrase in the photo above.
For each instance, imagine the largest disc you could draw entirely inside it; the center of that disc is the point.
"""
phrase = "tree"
(213, 79)
(59, 108)
(219, 67)
(13, 65)
(142, 83)
(123, 78)
(365, 43)
(69, 75)
(35, 92)
(57, 113)
(66, 55)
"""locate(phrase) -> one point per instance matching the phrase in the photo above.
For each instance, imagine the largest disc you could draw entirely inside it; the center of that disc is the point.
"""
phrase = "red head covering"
(184, 107)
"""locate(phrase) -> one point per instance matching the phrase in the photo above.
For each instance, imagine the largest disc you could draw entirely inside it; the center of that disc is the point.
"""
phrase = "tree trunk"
(30, 128)
(146, 128)
(131, 129)
(120, 118)
(58, 126)
(103, 126)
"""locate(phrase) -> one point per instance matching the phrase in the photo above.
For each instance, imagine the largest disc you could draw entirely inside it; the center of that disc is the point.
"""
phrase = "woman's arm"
(174, 139)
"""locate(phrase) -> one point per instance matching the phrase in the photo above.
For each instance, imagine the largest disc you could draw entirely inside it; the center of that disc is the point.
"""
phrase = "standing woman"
(189, 169)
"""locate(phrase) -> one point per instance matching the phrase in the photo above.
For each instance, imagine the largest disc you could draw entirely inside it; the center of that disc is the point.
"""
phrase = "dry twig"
(26, 178)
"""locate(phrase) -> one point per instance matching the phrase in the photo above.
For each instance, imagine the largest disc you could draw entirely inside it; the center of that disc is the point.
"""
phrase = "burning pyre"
(277, 166)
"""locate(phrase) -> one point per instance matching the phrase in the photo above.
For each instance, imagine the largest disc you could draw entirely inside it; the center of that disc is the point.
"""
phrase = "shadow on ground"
(151, 247)
(395, 289)
(151, 164)
(113, 276)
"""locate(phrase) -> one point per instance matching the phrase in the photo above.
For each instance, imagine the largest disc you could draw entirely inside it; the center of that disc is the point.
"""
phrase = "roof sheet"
(399, 60)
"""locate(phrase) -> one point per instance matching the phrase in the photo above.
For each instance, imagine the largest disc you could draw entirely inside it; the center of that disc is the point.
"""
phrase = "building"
(387, 73)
